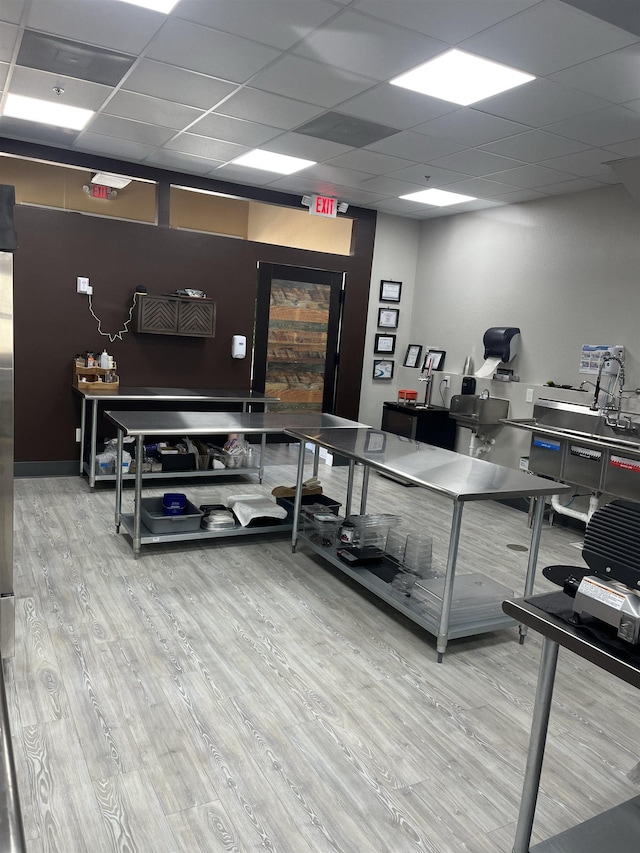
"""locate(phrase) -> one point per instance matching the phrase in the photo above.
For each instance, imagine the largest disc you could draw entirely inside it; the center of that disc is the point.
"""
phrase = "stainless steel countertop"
(584, 438)
(574, 638)
(451, 474)
(210, 423)
(213, 395)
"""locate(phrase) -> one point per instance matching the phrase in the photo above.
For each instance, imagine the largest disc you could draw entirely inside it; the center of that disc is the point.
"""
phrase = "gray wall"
(565, 270)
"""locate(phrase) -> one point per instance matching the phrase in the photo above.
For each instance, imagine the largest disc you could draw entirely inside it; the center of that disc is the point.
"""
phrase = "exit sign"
(323, 205)
(99, 191)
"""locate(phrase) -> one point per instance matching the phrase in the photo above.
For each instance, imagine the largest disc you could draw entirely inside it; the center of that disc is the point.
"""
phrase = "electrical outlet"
(529, 395)
(78, 435)
(82, 284)
(446, 381)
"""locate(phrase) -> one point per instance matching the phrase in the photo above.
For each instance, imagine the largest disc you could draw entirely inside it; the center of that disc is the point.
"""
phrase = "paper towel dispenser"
(501, 342)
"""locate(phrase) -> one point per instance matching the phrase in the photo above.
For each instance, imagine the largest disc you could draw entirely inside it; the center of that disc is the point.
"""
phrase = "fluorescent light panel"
(268, 161)
(461, 78)
(47, 112)
(165, 6)
(438, 198)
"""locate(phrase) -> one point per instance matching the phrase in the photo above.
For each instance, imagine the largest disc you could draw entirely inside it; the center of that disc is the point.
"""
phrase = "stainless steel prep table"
(91, 401)
(452, 475)
(617, 829)
(139, 424)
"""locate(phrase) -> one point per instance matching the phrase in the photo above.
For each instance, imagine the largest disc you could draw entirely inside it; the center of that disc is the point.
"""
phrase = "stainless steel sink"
(473, 411)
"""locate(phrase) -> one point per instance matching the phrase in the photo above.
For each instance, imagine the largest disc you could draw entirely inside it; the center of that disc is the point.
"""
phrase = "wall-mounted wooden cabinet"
(175, 315)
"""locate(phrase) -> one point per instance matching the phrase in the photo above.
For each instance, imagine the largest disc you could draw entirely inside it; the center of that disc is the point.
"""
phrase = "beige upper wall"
(282, 226)
(48, 185)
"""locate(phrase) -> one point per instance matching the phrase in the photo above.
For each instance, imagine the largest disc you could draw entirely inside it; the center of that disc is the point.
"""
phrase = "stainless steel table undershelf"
(93, 401)
(618, 828)
(452, 475)
(139, 424)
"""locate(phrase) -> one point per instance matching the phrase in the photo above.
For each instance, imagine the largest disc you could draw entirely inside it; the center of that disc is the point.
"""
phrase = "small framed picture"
(412, 358)
(388, 318)
(385, 343)
(435, 359)
(390, 291)
(382, 368)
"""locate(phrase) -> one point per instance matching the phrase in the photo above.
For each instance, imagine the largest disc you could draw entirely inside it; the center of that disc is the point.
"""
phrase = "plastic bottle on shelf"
(104, 359)
(90, 360)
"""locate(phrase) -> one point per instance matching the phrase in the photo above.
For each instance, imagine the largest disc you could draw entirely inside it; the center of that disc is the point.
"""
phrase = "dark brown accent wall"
(53, 323)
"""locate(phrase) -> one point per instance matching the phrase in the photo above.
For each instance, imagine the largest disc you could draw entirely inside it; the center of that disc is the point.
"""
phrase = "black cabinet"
(431, 426)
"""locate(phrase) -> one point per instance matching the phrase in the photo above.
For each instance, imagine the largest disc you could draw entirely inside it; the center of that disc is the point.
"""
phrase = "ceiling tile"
(475, 162)
(586, 164)
(546, 38)
(369, 161)
(286, 23)
(177, 84)
(398, 205)
(630, 148)
(621, 13)
(428, 176)
(112, 147)
(180, 162)
(633, 105)
(151, 110)
(134, 131)
(347, 130)
(613, 77)
(266, 108)
(12, 11)
(304, 80)
(574, 186)
(470, 127)
(217, 54)
(336, 175)
(600, 127)
(480, 187)
(307, 147)
(532, 176)
(451, 22)
(234, 130)
(40, 84)
(202, 146)
(414, 146)
(8, 36)
(534, 145)
(4, 70)
(363, 45)
(241, 175)
(34, 132)
(109, 23)
(389, 186)
(400, 107)
(540, 102)
(518, 196)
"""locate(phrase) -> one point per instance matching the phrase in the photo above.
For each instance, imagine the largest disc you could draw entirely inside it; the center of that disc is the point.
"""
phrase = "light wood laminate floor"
(233, 696)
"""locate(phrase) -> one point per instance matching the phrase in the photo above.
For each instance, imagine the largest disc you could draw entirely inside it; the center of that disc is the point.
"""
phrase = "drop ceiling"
(193, 90)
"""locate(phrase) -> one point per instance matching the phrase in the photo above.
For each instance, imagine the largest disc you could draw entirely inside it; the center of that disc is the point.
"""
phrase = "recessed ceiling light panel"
(438, 198)
(157, 5)
(268, 161)
(46, 112)
(461, 78)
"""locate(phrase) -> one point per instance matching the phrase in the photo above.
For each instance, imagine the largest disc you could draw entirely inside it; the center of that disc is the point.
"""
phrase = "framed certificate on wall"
(382, 368)
(390, 291)
(412, 358)
(385, 343)
(388, 318)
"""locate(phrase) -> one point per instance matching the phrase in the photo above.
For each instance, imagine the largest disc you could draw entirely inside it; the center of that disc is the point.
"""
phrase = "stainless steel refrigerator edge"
(7, 613)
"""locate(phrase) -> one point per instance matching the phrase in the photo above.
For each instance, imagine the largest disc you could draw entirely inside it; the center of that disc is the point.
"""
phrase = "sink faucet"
(610, 409)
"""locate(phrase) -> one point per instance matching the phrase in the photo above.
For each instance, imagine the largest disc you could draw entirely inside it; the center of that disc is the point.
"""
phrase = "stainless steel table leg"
(537, 740)
(316, 460)
(347, 505)
(94, 444)
(297, 501)
(263, 450)
(365, 489)
(447, 594)
(534, 547)
(138, 497)
(83, 425)
(119, 478)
